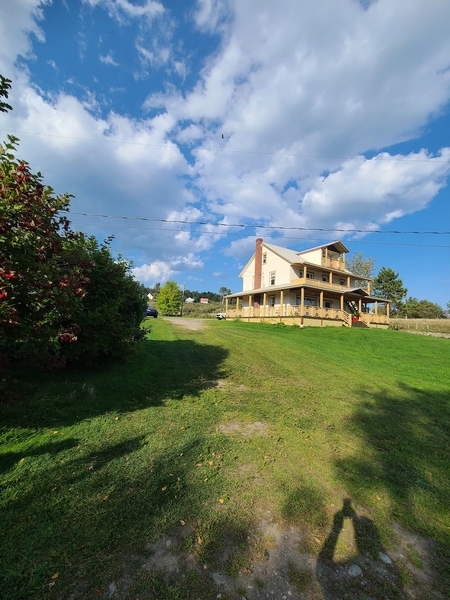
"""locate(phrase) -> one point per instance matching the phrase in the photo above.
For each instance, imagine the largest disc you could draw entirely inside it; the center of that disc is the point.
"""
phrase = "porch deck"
(307, 316)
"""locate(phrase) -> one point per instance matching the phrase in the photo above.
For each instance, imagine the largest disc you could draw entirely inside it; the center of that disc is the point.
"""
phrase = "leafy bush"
(62, 295)
(110, 315)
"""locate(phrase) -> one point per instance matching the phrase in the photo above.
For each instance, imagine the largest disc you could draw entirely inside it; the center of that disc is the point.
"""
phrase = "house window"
(271, 300)
(310, 301)
(309, 275)
(341, 281)
(264, 258)
(297, 299)
(327, 303)
(324, 277)
(272, 278)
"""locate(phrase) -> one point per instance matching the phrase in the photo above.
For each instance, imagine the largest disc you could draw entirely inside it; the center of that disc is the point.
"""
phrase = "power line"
(249, 226)
(286, 237)
(223, 151)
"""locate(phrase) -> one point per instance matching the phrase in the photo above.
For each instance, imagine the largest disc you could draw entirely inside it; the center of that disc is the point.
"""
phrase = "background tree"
(169, 298)
(387, 284)
(421, 309)
(361, 265)
(224, 291)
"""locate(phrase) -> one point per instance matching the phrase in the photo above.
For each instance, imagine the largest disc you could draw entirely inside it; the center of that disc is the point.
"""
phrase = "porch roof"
(292, 286)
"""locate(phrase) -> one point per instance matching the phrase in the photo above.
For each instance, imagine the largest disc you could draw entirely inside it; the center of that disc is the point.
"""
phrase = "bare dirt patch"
(245, 429)
(192, 324)
(347, 562)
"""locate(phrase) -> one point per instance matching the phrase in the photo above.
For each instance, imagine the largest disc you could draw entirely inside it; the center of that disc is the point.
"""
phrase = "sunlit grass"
(212, 429)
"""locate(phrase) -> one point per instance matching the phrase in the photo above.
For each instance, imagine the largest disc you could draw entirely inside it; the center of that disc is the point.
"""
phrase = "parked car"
(151, 312)
(221, 316)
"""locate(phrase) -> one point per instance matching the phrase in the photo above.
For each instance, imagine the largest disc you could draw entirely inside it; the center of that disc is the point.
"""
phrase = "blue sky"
(284, 119)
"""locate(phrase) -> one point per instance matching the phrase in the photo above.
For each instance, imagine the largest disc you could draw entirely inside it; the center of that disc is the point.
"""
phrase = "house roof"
(336, 246)
(294, 257)
(290, 286)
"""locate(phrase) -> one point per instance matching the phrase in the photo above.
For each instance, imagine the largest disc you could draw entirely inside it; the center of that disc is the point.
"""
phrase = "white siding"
(248, 277)
(275, 264)
(315, 256)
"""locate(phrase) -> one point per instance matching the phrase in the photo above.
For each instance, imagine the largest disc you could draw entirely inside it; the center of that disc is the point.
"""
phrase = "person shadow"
(369, 573)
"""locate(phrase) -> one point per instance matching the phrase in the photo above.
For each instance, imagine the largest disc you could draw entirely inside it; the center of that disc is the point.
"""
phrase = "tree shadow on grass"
(90, 518)
(156, 372)
(8, 459)
(407, 435)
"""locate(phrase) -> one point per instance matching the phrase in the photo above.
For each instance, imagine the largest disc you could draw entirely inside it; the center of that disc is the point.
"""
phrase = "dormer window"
(264, 258)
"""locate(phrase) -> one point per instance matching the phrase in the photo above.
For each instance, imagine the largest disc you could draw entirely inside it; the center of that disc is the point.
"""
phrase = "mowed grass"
(212, 431)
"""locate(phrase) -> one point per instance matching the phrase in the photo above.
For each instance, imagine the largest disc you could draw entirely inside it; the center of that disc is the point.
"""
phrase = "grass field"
(425, 325)
(212, 443)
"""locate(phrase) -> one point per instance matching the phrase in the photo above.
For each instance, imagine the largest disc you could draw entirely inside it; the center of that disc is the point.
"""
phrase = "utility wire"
(227, 233)
(220, 150)
(277, 227)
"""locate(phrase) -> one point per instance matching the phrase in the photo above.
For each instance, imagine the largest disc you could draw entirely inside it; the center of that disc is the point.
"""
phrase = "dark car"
(151, 312)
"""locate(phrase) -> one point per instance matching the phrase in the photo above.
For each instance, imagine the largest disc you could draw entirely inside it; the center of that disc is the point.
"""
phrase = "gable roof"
(336, 246)
(293, 257)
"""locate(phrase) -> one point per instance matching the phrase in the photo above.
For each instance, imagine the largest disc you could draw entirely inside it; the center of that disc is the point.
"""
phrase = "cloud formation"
(270, 129)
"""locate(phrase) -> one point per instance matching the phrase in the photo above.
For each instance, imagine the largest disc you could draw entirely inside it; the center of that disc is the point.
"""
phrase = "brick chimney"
(258, 264)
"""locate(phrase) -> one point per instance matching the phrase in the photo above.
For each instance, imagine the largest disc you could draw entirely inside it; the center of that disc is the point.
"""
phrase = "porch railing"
(289, 311)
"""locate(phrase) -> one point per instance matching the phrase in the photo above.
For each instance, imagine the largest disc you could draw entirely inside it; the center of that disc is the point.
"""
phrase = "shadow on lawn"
(90, 518)
(364, 575)
(157, 371)
(407, 435)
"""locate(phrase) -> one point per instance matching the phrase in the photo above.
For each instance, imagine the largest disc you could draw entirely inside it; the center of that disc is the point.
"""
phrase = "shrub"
(62, 295)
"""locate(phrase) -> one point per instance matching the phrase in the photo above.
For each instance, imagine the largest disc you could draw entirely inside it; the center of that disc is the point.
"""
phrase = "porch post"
(387, 309)
(304, 272)
(281, 304)
(237, 307)
(330, 278)
(342, 305)
(369, 284)
(376, 307)
(359, 306)
(348, 281)
(250, 305)
(302, 301)
(321, 304)
(264, 304)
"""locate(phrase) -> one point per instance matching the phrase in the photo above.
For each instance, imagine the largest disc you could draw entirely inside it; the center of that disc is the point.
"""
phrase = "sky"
(206, 124)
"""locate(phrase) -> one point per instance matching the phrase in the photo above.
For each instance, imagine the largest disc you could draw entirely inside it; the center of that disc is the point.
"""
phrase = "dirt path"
(187, 323)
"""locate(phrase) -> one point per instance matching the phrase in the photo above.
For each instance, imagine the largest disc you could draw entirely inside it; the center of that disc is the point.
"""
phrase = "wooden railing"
(321, 284)
(333, 263)
(289, 311)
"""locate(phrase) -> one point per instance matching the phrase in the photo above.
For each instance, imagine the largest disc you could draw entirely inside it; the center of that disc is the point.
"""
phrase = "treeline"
(388, 284)
(212, 297)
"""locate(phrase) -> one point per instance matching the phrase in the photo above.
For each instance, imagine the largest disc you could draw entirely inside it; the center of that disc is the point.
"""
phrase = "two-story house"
(311, 287)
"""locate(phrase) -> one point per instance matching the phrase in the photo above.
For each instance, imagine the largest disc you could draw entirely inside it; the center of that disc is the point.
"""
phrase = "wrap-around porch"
(306, 306)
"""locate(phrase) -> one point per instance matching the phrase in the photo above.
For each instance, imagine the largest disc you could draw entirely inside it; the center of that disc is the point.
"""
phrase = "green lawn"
(206, 431)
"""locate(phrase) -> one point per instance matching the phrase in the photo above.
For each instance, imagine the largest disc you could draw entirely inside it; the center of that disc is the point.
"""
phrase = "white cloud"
(109, 60)
(124, 8)
(161, 271)
(157, 272)
(365, 193)
(294, 92)
(209, 14)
